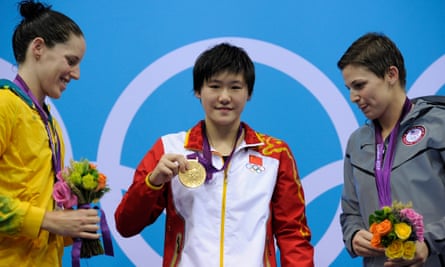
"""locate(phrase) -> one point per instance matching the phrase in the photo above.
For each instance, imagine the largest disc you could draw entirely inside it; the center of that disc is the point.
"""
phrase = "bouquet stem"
(90, 248)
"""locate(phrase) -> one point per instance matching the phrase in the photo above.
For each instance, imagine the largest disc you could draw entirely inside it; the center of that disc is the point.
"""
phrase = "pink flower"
(61, 174)
(63, 195)
(416, 220)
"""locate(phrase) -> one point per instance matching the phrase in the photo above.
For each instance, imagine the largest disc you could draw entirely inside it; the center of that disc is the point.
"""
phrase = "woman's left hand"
(418, 261)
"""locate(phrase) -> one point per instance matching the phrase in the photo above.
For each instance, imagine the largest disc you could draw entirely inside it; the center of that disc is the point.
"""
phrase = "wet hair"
(377, 53)
(221, 58)
(39, 20)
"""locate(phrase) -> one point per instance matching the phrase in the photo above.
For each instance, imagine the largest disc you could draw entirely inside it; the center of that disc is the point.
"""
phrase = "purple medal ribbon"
(75, 252)
(206, 158)
(383, 164)
(106, 235)
(54, 144)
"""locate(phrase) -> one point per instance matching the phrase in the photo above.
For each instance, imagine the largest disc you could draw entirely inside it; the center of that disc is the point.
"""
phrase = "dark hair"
(40, 21)
(377, 53)
(220, 58)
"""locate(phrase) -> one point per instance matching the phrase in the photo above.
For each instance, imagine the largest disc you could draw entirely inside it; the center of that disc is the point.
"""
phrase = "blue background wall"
(136, 84)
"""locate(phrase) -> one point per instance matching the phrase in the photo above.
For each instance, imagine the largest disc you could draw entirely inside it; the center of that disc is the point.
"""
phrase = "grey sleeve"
(350, 219)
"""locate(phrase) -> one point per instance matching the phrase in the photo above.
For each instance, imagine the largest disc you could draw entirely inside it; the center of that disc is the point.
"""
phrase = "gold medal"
(194, 176)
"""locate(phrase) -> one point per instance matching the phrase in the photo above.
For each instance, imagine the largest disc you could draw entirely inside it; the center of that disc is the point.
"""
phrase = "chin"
(371, 118)
(55, 96)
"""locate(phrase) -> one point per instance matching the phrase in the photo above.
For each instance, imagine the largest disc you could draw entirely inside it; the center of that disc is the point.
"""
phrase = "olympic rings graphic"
(255, 168)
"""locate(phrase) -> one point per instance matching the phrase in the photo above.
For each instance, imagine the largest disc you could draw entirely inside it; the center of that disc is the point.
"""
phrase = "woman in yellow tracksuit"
(48, 47)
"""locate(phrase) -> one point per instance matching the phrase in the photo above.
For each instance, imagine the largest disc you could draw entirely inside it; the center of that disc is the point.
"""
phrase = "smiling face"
(223, 97)
(48, 70)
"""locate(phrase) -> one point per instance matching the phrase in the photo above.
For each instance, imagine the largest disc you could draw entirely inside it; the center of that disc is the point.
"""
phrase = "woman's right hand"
(82, 223)
(361, 244)
(168, 167)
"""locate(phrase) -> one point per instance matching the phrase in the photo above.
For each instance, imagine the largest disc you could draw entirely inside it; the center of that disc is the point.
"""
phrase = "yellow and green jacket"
(26, 183)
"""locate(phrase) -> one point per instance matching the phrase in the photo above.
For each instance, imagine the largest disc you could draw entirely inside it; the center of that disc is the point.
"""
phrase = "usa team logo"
(413, 135)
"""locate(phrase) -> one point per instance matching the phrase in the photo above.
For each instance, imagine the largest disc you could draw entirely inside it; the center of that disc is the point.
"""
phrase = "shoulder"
(437, 100)
(262, 140)
(271, 141)
(361, 137)
(428, 102)
(363, 132)
(173, 142)
(175, 134)
(272, 146)
(9, 99)
(11, 93)
(428, 106)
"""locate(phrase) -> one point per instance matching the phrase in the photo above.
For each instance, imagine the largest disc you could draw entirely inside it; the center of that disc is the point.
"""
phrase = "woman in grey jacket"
(404, 141)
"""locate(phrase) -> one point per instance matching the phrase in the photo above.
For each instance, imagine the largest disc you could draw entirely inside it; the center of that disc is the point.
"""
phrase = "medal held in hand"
(194, 176)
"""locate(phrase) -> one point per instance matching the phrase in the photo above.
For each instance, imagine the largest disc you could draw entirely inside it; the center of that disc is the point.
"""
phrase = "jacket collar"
(6, 84)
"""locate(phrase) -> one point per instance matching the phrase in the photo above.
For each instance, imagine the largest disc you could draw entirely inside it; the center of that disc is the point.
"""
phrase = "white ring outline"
(430, 81)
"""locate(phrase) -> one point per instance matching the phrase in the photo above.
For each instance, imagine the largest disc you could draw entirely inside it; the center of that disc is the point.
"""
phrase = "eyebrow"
(74, 58)
(230, 82)
(357, 81)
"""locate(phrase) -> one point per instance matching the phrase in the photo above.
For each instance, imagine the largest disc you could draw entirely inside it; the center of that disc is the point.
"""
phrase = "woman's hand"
(168, 167)
(419, 258)
(361, 244)
(81, 223)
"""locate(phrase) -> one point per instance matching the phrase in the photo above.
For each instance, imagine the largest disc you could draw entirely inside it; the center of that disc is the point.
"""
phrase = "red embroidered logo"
(255, 160)
(413, 135)
(255, 164)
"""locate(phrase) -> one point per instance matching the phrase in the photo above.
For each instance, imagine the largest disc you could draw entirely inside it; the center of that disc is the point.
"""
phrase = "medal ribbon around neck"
(46, 118)
(206, 158)
(383, 170)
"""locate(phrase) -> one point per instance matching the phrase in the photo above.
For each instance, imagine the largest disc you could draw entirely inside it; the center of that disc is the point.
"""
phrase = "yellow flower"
(89, 182)
(395, 249)
(75, 178)
(409, 250)
(403, 230)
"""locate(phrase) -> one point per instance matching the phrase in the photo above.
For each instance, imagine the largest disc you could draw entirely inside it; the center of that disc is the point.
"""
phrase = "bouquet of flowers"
(81, 185)
(396, 228)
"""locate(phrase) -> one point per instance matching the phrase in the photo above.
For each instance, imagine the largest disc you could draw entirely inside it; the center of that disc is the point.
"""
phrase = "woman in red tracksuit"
(252, 194)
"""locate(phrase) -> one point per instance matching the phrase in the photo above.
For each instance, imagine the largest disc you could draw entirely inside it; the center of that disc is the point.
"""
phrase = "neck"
(32, 85)
(223, 139)
(391, 116)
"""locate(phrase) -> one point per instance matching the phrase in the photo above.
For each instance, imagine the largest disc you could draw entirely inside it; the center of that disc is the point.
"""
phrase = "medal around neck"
(194, 176)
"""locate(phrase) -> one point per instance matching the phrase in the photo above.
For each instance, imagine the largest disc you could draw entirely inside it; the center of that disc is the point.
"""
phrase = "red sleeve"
(141, 205)
(289, 217)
